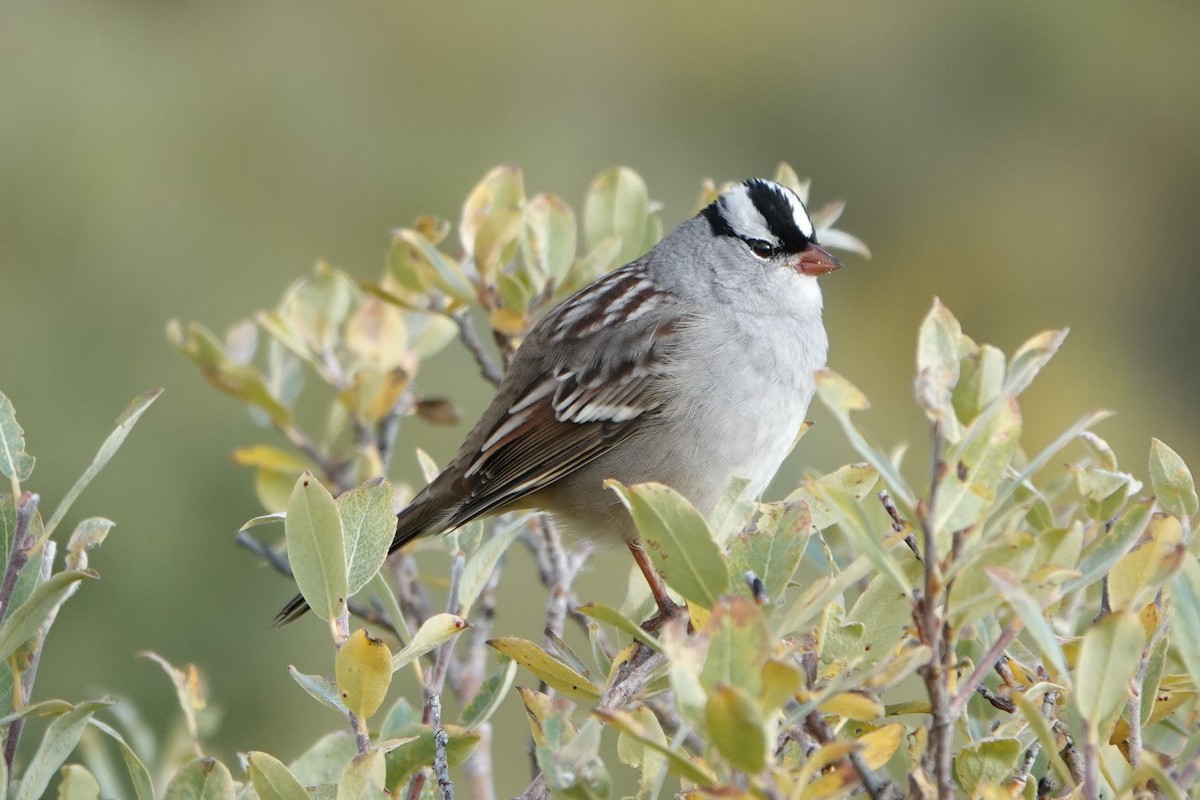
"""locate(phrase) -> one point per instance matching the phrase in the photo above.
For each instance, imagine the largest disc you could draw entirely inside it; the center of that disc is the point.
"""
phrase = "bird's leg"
(667, 608)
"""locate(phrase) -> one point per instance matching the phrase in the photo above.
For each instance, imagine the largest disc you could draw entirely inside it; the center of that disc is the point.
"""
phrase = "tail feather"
(415, 521)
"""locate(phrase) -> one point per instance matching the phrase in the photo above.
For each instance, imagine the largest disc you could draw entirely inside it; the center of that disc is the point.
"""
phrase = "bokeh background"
(1035, 165)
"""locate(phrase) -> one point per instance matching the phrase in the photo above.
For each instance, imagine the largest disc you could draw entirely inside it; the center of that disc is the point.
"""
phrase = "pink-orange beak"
(815, 260)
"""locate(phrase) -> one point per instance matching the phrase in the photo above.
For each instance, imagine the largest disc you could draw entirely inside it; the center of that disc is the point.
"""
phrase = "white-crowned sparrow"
(689, 366)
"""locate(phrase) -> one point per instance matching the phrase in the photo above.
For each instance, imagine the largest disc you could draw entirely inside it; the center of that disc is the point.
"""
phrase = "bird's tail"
(415, 521)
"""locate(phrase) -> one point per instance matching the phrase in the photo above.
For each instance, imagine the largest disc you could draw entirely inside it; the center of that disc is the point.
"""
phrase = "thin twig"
(898, 522)
(470, 339)
(933, 632)
(22, 541)
(440, 767)
(986, 663)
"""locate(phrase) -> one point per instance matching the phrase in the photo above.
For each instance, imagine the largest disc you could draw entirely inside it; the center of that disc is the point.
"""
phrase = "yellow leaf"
(508, 322)
(264, 456)
(364, 672)
(853, 705)
(554, 672)
(881, 744)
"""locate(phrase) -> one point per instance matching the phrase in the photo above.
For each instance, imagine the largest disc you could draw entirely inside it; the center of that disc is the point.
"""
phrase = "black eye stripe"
(772, 211)
(776, 211)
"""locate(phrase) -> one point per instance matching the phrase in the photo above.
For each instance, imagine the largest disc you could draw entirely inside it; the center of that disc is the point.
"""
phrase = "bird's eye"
(760, 248)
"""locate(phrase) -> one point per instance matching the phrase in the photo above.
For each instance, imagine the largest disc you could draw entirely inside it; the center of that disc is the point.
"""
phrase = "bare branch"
(986, 663)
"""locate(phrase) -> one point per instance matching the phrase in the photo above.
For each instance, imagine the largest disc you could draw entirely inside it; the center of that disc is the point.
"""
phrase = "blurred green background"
(1033, 164)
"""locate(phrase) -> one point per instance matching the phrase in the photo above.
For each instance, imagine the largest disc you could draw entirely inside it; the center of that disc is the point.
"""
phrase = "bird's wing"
(589, 400)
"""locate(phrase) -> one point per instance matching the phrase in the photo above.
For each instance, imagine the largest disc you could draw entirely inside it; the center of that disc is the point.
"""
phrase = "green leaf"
(546, 667)
(617, 204)
(272, 780)
(125, 423)
(981, 374)
(551, 235)
(491, 692)
(321, 688)
(1134, 580)
(1102, 554)
(1185, 606)
(986, 761)
(1030, 612)
(858, 528)
(187, 690)
(363, 777)
(1172, 481)
(437, 629)
(937, 367)
(611, 616)
(736, 725)
(201, 779)
(1029, 359)
(316, 550)
(25, 619)
(57, 743)
(678, 763)
(739, 643)
(15, 463)
(855, 480)
(143, 787)
(417, 750)
(325, 760)
(842, 397)
(444, 271)
(773, 551)
(976, 468)
(78, 784)
(368, 525)
(1108, 660)
(479, 566)
(678, 540)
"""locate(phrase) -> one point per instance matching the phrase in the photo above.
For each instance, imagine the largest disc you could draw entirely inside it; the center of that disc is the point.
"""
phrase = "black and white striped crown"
(761, 211)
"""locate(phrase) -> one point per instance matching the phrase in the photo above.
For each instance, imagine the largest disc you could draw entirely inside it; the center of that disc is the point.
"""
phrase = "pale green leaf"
(937, 367)
(986, 761)
(437, 629)
(855, 480)
(187, 691)
(57, 743)
(678, 763)
(611, 616)
(859, 529)
(1103, 553)
(1185, 630)
(678, 540)
(26, 618)
(324, 761)
(139, 776)
(77, 783)
(272, 780)
(1134, 580)
(1029, 610)
(774, 553)
(1172, 481)
(89, 533)
(617, 204)
(555, 673)
(1029, 359)
(364, 777)
(201, 779)
(368, 526)
(15, 463)
(321, 688)
(977, 466)
(125, 423)
(738, 728)
(1108, 660)
(316, 551)
(981, 374)
(551, 234)
(842, 397)
(739, 643)
(479, 566)
(491, 693)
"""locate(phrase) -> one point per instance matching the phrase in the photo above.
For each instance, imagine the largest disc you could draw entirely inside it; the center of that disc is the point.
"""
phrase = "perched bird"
(690, 366)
